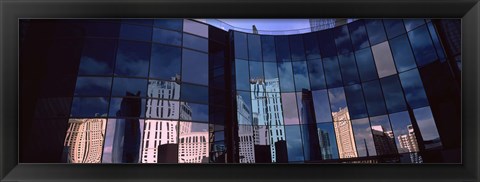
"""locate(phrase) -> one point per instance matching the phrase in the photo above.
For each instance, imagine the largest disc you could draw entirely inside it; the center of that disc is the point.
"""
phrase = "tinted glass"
(89, 107)
(93, 86)
(167, 37)
(240, 45)
(195, 28)
(129, 87)
(383, 59)
(165, 62)
(194, 112)
(327, 140)
(393, 93)
(132, 59)
(193, 141)
(256, 70)
(427, 127)
(374, 98)
(241, 74)
(383, 135)
(127, 107)
(194, 93)
(321, 106)
(366, 65)
(305, 107)
(342, 39)
(195, 42)
(289, 105)
(97, 57)
(296, 46)
(135, 32)
(173, 24)
(404, 132)
(348, 69)
(436, 42)
(259, 106)
(394, 27)
(282, 48)
(244, 108)
(254, 48)
(413, 88)
(422, 46)
(363, 138)
(294, 144)
(311, 147)
(402, 53)
(270, 70)
(375, 30)
(194, 67)
(163, 89)
(317, 76)
(358, 34)
(410, 24)
(332, 72)
(300, 74)
(311, 46)
(268, 48)
(286, 77)
(337, 100)
(327, 43)
(356, 102)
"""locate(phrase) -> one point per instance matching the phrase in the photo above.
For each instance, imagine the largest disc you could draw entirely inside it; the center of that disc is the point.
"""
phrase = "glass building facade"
(181, 91)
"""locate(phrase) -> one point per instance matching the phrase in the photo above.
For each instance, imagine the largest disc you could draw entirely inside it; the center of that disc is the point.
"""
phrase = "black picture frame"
(11, 11)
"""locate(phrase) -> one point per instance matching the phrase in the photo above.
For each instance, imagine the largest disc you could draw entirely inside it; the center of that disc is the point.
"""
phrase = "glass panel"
(241, 75)
(194, 112)
(278, 147)
(195, 28)
(194, 67)
(97, 57)
(268, 48)
(296, 46)
(321, 106)
(436, 42)
(374, 98)
(411, 24)
(305, 107)
(344, 135)
(194, 93)
(326, 43)
(270, 71)
(256, 70)
(327, 140)
(294, 143)
(300, 74)
(259, 105)
(286, 77)
(165, 62)
(274, 113)
(135, 32)
(393, 27)
(342, 39)
(366, 65)
(123, 141)
(404, 132)
(193, 146)
(348, 69)
(244, 108)
(127, 107)
(254, 48)
(262, 144)
(332, 72)
(413, 88)
(363, 138)
(383, 135)
(93, 86)
(160, 142)
(246, 148)
(311, 46)
(129, 87)
(393, 93)
(240, 47)
(282, 48)
(173, 24)
(89, 107)
(289, 105)
(338, 104)
(163, 89)
(383, 59)
(422, 46)
(194, 42)
(428, 128)
(402, 53)
(311, 144)
(375, 30)
(162, 109)
(356, 103)
(358, 34)
(167, 37)
(132, 58)
(317, 76)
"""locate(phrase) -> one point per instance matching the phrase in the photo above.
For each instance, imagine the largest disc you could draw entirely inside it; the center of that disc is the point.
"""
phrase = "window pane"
(300, 74)
(195, 67)
(289, 105)
(254, 48)
(260, 105)
(89, 107)
(296, 46)
(127, 107)
(278, 148)
(274, 109)
(244, 108)
(167, 37)
(129, 87)
(404, 132)
(268, 48)
(195, 28)
(356, 103)
(246, 144)
(322, 106)
(132, 59)
(342, 39)
(363, 138)
(194, 42)
(294, 144)
(123, 141)
(375, 30)
(422, 46)
(163, 89)
(436, 42)
(348, 69)
(383, 59)
(338, 104)
(256, 70)
(317, 76)
(332, 72)
(305, 107)
(262, 145)
(410, 24)
(326, 43)
(173, 24)
(165, 62)
(427, 127)
(311, 46)
(282, 48)
(135, 32)
(97, 57)
(402, 53)
(240, 45)
(393, 93)
(310, 142)
(358, 34)
(327, 139)
(194, 112)
(383, 135)
(394, 27)
(158, 140)
(374, 98)
(193, 137)
(413, 88)
(270, 71)
(366, 65)
(286, 77)
(93, 86)
(241, 75)
(194, 93)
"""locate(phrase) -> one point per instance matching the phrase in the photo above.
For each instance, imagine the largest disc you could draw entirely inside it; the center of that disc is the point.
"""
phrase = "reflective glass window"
(392, 90)
(348, 69)
(289, 105)
(413, 88)
(404, 132)
(326, 43)
(167, 37)
(393, 27)
(246, 144)
(363, 138)
(383, 59)
(286, 76)
(194, 67)
(89, 107)
(193, 112)
(294, 144)
(300, 74)
(135, 32)
(254, 47)
(332, 72)
(366, 65)
(358, 34)
(165, 62)
(321, 106)
(296, 47)
(310, 142)
(194, 42)
(97, 57)
(244, 108)
(411, 24)
(305, 107)
(427, 127)
(374, 98)
(193, 138)
(163, 89)
(436, 42)
(173, 24)
(268, 48)
(383, 135)
(356, 102)
(195, 28)
(317, 76)
(132, 59)
(422, 45)
(260, 106)
(241, 75)
(337, 102)
(194, 93)
(342, 39)
(270, 70)
(282, 48)
(129, 87)
(312, 50)
(127, 107)
(93, 86)
(256, 70)
(402, 53)
(123, 141)
(240, 45)
(327, 140)
(375, 30)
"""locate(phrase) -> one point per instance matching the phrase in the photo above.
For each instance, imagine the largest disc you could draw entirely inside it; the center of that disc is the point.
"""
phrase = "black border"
(11, 10)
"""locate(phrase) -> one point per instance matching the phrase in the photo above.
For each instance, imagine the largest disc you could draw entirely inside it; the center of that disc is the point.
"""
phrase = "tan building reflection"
(84, 140)
(193, 146)
(344, 134)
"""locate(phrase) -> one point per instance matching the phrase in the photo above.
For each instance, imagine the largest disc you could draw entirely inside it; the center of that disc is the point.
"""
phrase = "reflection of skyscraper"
(344, 134)
(163, 107)
(384, 140)
(193, 146)
(310, 137)
(84, 140)
(325, 146)
(327, 23)
(156, 133)
(408, 142)
(246, 144)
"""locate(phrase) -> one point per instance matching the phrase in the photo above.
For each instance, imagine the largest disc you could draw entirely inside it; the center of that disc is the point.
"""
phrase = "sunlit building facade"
(84, 140)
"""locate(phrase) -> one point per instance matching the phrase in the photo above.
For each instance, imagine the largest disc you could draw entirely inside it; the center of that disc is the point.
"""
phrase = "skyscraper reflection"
(84, 140)
(384, 140)
(344, 133)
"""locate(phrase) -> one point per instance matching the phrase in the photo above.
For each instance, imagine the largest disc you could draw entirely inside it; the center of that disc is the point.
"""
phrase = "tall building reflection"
(193, 145)
(344, 133)
(408, 144)
(325, 145)
(84, 140)
(384, 140)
